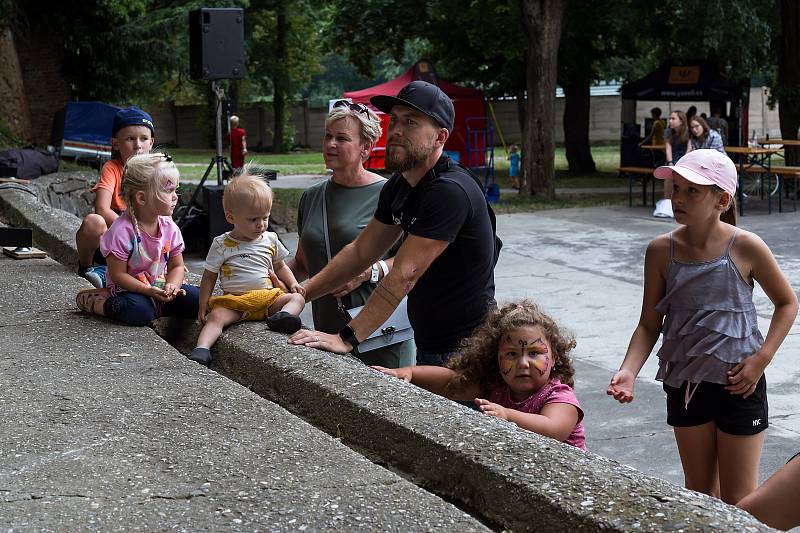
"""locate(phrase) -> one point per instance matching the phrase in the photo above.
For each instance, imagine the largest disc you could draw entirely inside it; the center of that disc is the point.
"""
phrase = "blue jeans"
(136, 309)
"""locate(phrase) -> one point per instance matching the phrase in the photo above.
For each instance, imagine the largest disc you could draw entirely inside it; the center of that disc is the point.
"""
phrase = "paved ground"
(108, 427)
(585, 267)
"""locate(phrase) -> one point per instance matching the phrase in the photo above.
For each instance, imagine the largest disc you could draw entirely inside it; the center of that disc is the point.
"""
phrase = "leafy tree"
(284, 52)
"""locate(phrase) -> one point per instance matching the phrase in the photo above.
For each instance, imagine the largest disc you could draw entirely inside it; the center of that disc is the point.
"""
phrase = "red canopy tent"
(469, 106)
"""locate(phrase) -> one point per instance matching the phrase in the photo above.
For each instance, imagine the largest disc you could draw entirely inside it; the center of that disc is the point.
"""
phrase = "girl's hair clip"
(167, 157)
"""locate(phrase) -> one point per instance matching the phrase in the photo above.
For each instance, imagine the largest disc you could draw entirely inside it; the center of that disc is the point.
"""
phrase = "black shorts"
(712, 403)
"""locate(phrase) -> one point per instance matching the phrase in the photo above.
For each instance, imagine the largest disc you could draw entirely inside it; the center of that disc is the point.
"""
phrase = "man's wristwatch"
(349, 336)
(374, 273)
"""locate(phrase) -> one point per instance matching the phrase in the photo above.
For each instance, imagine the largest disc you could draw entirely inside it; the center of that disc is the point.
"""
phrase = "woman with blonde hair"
(350, 197)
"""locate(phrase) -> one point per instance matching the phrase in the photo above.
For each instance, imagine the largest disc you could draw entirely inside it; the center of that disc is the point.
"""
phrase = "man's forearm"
(345, 266)
(380, 305)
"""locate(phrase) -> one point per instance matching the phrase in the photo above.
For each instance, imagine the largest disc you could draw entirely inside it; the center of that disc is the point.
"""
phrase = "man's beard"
(411, 155)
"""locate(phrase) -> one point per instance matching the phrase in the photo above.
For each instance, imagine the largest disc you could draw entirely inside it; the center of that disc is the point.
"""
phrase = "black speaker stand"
(218, 162)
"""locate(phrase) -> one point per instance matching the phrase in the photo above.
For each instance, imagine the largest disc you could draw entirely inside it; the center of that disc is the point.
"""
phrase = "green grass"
(286, 164)
(606, 159)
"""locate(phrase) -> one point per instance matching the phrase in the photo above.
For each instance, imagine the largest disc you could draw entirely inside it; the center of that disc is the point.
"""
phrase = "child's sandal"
(86, 299)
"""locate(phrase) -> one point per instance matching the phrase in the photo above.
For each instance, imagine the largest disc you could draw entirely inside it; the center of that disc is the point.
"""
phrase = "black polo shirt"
(451, 298)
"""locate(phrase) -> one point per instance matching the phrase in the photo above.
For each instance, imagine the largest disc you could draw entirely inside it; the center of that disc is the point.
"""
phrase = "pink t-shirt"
(553, 392)
(147, 257)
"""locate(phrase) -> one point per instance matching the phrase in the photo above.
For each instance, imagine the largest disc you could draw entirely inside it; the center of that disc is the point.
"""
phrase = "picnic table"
(755, 171)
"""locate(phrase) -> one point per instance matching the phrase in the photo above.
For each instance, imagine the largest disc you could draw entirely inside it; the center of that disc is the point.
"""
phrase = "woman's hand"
(491, 409)
(621, 386)
(744, 377)
(405, 373)
(351, 285)
(320, 341)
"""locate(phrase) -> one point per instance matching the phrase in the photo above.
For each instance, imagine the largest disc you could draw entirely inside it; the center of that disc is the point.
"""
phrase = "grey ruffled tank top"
(710, 321)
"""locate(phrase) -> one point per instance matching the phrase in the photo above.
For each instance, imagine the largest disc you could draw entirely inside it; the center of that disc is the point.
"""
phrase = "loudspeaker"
(216, 44)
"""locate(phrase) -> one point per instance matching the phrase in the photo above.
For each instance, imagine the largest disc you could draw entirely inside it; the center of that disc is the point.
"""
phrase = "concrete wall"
(308, 122)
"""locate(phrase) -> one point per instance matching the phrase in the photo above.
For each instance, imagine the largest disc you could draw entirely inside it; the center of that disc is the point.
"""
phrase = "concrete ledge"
(53, 229)
(509, 476)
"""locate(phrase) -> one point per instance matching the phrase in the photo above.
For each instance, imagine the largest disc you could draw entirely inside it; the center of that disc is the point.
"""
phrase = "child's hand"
(744, 377)
(202, 312)
(491, 409)
(299, 289)
(404, 373)
(157, 294)
(171, 291)
(276, 281)
(621, 386)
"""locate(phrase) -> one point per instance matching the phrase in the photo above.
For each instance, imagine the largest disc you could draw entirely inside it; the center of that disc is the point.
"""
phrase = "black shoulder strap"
(498, 244)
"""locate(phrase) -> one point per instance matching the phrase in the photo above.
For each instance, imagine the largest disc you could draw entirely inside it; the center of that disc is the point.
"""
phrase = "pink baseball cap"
(704, 167)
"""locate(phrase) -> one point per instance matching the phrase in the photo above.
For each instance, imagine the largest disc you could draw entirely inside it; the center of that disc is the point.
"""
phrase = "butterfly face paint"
(525, 360)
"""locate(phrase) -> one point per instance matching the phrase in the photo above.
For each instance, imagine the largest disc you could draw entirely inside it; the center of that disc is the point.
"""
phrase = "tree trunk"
(542, 23)
(789, 77)
(14, 108)
(279, 83)
(576, 126)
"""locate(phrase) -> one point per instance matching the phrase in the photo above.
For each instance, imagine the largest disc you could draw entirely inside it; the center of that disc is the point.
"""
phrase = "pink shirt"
(553, 392)
(147, 259)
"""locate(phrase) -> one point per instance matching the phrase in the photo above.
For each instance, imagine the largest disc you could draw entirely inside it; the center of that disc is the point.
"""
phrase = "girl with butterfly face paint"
(515, 367)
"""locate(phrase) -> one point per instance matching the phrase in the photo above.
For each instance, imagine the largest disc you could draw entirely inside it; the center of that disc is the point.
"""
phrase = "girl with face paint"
(515, 367)
(144, 250)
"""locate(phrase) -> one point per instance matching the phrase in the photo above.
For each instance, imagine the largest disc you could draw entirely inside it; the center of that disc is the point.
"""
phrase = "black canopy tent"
(693, 81)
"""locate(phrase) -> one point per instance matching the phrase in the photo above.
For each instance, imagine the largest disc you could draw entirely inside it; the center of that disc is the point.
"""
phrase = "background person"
(656, 135)
(677, 144)
(132, 133)
(351, 131)
(446, 263)
(775, 502)
(238, 138)
(513, 165)
(716, 122)
(704, 137)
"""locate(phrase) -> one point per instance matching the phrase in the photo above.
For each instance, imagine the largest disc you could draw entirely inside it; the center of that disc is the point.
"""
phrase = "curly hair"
(477, 360)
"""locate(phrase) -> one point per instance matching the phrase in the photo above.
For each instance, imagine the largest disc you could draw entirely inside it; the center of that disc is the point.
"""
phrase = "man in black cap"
(446, 263)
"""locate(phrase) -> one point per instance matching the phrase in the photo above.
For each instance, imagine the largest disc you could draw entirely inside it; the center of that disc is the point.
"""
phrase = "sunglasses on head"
(358, 108)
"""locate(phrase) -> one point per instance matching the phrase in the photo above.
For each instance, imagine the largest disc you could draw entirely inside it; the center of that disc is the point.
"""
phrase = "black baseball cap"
(132, 116)
(425, 98)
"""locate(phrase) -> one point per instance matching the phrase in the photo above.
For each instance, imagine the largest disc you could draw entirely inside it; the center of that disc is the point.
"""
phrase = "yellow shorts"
(254, 304)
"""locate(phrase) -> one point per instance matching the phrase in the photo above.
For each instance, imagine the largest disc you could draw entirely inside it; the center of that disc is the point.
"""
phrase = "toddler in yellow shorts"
(242, 260)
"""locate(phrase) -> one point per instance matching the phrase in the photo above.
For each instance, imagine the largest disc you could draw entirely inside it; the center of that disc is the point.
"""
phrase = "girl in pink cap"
(698, 293)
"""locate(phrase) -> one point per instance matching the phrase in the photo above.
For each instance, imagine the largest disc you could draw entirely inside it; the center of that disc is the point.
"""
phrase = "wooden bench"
(643, 173)
(787, 175)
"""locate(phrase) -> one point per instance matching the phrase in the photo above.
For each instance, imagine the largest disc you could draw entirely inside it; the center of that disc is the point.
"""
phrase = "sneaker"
(96, 275)
(201, 355)
(284, 322)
